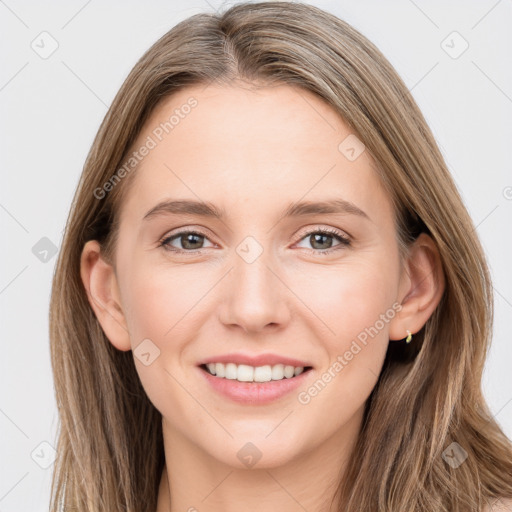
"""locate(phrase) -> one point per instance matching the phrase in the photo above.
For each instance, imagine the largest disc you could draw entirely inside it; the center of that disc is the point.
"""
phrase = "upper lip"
(255, 360)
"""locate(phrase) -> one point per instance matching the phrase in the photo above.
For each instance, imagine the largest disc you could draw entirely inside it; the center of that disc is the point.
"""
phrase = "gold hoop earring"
(409, 337)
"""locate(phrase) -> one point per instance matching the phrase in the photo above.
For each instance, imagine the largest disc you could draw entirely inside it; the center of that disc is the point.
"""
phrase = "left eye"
(192, 240)
(319, 237)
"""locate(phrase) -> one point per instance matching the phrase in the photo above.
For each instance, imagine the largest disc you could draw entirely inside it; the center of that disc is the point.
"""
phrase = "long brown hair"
(428, 396)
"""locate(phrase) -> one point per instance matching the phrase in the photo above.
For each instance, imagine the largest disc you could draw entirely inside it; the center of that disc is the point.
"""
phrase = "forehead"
(239, 144)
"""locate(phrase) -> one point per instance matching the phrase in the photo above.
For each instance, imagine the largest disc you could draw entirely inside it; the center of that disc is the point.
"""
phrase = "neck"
(199, 482)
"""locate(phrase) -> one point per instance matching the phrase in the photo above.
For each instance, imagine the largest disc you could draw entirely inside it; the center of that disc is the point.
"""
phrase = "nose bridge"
(256, 295)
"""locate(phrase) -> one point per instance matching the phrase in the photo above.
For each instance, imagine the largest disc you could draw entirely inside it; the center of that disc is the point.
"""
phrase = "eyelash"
(344, 241)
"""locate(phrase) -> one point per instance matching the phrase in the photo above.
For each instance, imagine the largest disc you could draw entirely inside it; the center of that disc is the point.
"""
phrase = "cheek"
(156, 300)
(355, 353)
(356, 303)
(159, 305)
(348, 298)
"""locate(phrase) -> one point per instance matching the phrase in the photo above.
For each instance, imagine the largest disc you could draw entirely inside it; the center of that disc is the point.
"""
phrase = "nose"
(256, 297)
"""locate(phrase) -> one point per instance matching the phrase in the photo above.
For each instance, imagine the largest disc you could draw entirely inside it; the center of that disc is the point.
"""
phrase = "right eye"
(189, 240)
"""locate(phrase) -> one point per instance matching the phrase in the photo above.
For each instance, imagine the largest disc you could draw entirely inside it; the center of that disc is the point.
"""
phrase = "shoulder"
(499, 505)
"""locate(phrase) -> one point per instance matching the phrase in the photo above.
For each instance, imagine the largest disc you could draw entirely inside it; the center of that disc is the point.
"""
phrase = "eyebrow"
(207, 209)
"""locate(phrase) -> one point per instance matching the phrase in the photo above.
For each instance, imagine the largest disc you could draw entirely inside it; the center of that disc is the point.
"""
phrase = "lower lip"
(257, 393)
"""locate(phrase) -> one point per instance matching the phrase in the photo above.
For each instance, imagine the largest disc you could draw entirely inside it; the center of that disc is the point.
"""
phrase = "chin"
(258, 452)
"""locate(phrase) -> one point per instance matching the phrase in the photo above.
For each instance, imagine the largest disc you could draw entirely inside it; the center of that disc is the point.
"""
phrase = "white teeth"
(263, 373)
(220, 370)
(231, 371)
(278, 372)
(289, 371)
(246, 373)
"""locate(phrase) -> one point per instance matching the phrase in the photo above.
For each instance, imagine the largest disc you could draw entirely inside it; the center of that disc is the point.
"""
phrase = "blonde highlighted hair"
(110, 449)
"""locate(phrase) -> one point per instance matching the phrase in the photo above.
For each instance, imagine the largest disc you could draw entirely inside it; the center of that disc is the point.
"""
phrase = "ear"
(100, 283)
(421, 288)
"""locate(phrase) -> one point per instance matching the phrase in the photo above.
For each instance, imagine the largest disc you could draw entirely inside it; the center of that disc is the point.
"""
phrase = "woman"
(270, 295)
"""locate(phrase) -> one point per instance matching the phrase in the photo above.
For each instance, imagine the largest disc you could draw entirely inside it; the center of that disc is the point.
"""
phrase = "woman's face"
(261, 279)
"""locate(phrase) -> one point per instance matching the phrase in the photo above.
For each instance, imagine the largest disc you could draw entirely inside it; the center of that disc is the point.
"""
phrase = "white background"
(50, 110)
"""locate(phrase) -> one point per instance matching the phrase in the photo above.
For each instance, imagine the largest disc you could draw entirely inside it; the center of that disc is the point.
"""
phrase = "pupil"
(320, 236)
(187, 240)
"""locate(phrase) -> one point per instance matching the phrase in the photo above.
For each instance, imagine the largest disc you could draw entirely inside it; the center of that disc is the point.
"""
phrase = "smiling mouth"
(254, 374)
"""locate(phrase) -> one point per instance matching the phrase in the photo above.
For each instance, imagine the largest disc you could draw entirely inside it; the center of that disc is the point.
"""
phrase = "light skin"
(253, 152)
